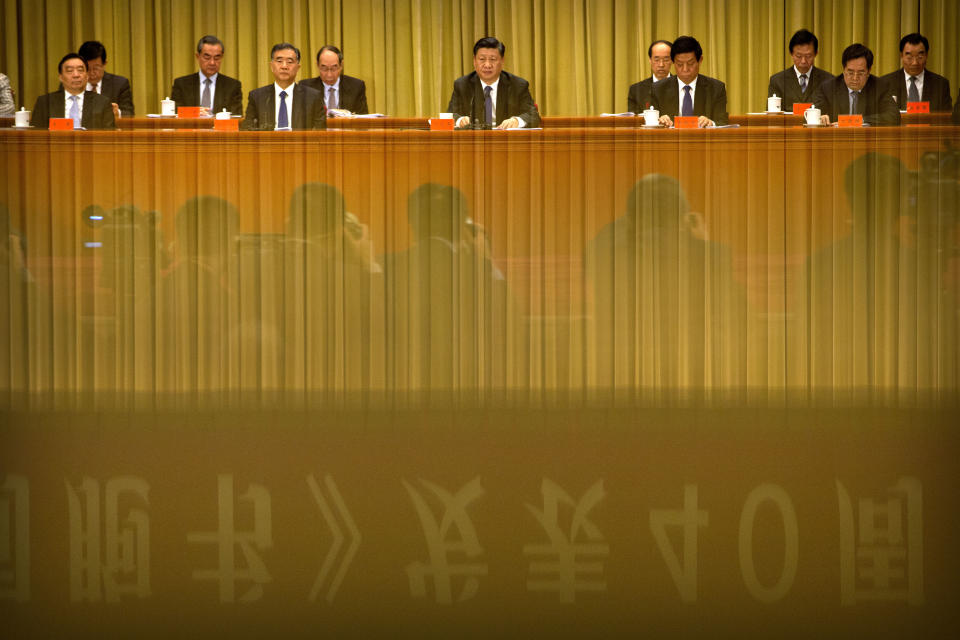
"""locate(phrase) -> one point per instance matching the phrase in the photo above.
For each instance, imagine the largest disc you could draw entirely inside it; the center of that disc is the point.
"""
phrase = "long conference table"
(590, 377)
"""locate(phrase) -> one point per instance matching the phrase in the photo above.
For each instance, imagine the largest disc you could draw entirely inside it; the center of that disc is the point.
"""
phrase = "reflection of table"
(772, 195)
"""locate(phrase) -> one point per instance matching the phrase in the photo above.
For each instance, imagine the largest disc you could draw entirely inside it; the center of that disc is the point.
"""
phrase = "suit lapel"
(270, 110)
(57, 109)
(219, 94)
(89, 112)
(298, 117)
(672, 104)
(503, 95)
(193, 86)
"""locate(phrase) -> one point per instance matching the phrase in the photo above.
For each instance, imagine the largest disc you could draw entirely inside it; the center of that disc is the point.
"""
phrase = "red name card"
(188, 112)
(918, 107)
(800, 107)
(441, 124)
(61, 124)
(685, 122)
(226, 124)
(850, 121)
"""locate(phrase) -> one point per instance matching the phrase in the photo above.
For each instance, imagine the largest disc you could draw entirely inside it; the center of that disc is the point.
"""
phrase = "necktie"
(687, 108)
(282, 121)
(332, 98)
(803, 82)
(853, 101)
(488, 104)
(205, 99)
(75, 112)
(913, 95)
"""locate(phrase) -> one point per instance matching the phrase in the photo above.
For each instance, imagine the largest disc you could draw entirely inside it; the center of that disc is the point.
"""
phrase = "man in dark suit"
(340, 92)
(88, 109)
(703, 96)
(489, 96)
(856, 91)
(218, 92)
(269, 108)
(924, 85)
(800, 82)
(116, 88)
(638, 98)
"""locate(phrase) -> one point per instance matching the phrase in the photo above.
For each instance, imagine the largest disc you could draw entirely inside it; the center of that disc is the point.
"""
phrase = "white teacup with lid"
(21, 118)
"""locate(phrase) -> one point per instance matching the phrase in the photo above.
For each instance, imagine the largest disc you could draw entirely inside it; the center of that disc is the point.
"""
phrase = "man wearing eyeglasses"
(856, 91)
(913, 82)
(208, 88)
(342, 94)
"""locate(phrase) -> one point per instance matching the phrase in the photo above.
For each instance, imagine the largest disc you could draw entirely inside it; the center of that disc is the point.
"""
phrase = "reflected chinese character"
(122, 536)
(227, 538)
(689, 519)
(15, 538)
(881, 545)
(574, 547)
(441, 542)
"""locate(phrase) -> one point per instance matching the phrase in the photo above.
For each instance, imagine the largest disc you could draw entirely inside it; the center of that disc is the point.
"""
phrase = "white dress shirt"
(906, 80)
(288, 101)
(213, 89)
(693, 93)
(68, 103)
(326, 92)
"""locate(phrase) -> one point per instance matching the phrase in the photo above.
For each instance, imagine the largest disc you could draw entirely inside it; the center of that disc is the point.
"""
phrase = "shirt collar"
(798, 73)
(335, 85)
(213, 78)
(692, 85)
(919, 77)
(289, 90)
(493, 84)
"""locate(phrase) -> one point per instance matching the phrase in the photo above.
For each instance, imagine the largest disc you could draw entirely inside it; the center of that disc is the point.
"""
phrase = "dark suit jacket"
(936, 90)
(956, 111)
(353, 93)
(639, 96)
(308, 109)
(117, 89)
(97, 111)
(709, 100)
(513, 99)
(229, 94)
(786, 85)
(875, 103)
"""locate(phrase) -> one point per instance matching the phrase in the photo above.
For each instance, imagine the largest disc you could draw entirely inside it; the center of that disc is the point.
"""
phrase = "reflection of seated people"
(124, 321)
(333, 282)
(13, 249)
(200, 295)
(854, 282)
(16, 289)
(930, 258)
(665, 310)
(132, 251)
(446, 299)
